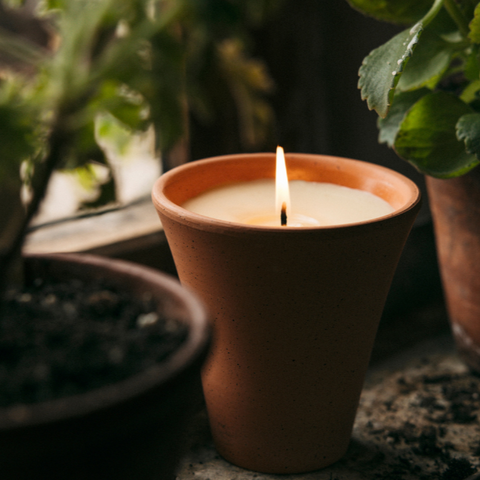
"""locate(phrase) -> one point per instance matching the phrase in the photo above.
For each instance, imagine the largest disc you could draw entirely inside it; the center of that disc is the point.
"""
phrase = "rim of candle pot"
(142, 279)
(182, 183)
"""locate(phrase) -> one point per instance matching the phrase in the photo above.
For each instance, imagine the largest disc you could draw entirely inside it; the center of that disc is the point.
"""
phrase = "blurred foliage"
(66, 64)
(141, 61)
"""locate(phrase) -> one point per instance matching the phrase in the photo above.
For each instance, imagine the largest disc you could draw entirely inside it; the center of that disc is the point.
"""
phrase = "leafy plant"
(65, 64)
(424, 83)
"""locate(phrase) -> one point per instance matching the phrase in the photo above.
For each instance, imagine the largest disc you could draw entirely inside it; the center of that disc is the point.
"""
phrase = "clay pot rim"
(194, 347)
(173, 210)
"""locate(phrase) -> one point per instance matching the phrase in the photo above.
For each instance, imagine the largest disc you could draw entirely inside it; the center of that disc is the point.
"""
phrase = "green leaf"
(112, 135)
(474, 26)
(382, 68)
(401, 12)
(390, 125)
(471, 92)
(54, 4)
(427, 136)
(431, 60)
(472, 71)
(109, 129)
(468, 130)
(131, 115)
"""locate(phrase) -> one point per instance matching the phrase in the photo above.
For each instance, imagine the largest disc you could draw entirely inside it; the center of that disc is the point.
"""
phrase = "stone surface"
(417, 420)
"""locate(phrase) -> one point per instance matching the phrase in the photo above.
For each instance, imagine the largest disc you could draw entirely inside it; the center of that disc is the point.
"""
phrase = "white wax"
(312, 203)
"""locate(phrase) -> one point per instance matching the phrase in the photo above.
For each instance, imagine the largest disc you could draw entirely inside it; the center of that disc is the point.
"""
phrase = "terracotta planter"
(295, 309)
(455, 206)
(132, 429)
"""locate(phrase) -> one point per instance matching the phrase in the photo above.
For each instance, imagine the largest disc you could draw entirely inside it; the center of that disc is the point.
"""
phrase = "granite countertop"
(417, 420)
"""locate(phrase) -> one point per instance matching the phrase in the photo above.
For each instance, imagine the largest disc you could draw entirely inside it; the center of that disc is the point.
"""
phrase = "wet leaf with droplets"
(382, 68)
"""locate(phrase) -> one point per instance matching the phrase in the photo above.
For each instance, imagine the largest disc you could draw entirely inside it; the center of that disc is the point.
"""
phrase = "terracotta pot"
(455, 206)
(295, 309)
(132, 429)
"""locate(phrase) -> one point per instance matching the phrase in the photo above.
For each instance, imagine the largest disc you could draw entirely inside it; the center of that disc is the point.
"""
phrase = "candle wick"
(283, 215)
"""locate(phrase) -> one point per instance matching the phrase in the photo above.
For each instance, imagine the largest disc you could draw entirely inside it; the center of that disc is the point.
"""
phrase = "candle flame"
(282, 193)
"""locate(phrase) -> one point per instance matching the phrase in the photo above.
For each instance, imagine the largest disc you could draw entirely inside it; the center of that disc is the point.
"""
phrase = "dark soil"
(458, 469)
(420, 424)
(63, 339)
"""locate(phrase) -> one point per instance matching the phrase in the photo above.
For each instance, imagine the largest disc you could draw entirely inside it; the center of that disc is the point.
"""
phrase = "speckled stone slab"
(418, 419)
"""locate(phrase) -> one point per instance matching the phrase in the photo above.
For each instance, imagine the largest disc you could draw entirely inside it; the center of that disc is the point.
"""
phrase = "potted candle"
(295, 308)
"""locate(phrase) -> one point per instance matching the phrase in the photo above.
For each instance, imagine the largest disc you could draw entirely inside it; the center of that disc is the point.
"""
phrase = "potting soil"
(63, 339)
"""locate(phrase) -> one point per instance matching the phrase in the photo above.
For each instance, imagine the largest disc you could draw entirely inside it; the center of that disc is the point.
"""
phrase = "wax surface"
(312, 204)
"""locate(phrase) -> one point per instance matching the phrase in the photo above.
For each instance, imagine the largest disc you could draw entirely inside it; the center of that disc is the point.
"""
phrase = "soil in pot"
(104, 389)
(61, 339)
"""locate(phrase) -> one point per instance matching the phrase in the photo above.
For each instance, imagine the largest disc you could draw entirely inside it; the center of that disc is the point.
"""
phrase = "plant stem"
(56, 146)
(458, 17)
(432, 13)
